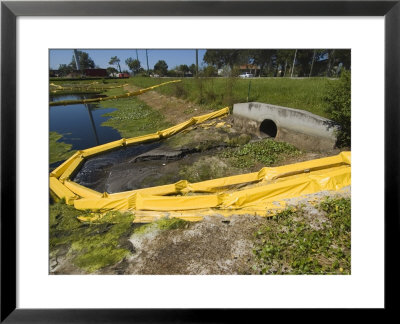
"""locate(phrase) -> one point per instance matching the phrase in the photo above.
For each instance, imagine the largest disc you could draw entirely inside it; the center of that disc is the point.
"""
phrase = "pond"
(80, 124)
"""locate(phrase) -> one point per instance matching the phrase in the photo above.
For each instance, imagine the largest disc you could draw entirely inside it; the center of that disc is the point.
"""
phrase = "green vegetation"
(307, 93)
(338, 98)
(59, 151)
(267, 152)
(162, 224)
(134, 65)
(293, 243)
(237, 160)
(114, 60)
(161, 67)
(91, 246)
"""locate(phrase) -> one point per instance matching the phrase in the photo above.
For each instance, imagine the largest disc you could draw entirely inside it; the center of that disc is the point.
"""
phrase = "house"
(250, 68)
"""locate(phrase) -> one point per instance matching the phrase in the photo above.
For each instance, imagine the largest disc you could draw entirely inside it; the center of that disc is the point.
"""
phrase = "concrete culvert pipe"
(301, 128)
(268, 127)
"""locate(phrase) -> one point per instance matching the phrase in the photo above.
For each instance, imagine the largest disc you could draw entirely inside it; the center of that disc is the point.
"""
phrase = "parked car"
(246, 75)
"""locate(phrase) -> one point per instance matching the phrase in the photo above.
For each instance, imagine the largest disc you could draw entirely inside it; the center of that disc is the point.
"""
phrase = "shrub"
(338, 99)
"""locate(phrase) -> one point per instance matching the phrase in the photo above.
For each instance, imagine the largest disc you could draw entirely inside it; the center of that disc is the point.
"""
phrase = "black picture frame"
(10, 10)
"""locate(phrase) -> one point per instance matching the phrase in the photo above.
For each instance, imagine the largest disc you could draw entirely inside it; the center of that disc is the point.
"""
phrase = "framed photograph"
(200, 61)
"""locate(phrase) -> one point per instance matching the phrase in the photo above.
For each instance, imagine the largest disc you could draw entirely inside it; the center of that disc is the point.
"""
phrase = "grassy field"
(307, 94)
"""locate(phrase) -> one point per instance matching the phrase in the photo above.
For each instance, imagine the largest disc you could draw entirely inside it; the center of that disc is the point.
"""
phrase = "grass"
(291, 244)
(90, 246)
(304, 94)
(307, 94)
(59, 151)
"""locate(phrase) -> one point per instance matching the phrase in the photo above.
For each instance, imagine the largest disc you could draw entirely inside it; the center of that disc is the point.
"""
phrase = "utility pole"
(197, 63)
(78, 66)
(284, 73)
(137, 56)
(294, 60)
(330, 57)
(147, 59)
(312, 64)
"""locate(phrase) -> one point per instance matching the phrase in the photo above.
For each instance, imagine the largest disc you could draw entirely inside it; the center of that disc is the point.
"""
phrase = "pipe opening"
(269, 128)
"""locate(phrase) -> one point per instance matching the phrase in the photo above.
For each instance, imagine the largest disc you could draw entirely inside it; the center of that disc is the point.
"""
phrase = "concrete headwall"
(301, 128)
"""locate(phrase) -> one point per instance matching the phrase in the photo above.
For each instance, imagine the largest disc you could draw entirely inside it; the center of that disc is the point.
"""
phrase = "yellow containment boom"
(260, 192)
(60, 88)
(125, 95)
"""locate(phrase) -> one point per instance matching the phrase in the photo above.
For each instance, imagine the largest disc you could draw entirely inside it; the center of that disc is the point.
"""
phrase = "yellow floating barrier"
(83, 87)
(125, 95)
(260, 192)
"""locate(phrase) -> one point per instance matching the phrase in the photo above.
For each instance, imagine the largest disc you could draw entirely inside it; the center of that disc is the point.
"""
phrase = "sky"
(101, 57)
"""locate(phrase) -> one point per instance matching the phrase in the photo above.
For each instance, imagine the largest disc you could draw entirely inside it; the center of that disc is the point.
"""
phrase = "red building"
(96, 72)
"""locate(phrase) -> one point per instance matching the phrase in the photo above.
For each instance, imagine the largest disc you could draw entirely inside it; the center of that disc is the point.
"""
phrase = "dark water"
(80, 124)
(112, 171)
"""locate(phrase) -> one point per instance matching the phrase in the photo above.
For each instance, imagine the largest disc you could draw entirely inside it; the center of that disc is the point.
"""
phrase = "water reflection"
(80, 124)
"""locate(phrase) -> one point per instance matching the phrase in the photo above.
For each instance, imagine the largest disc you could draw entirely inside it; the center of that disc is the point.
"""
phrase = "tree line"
(282, 62)
(262, 62)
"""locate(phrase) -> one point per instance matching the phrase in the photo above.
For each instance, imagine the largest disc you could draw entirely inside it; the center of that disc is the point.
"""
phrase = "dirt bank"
(175, 110)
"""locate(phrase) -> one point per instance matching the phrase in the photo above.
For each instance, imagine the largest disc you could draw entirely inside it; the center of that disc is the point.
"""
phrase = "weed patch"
(290, 245)
(266, 152)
